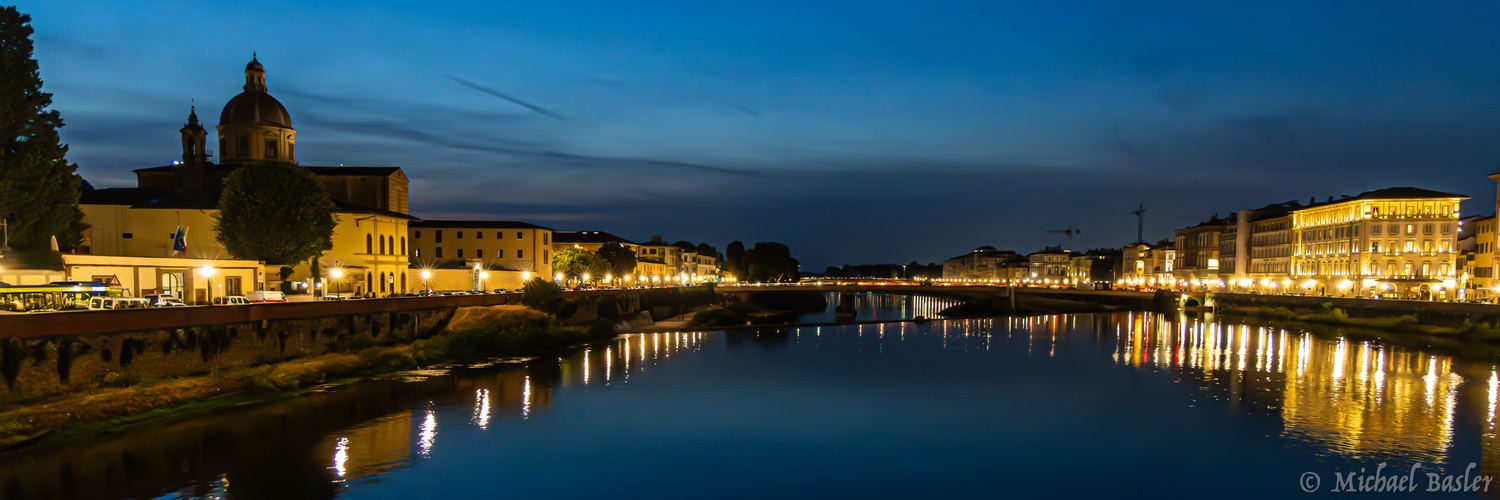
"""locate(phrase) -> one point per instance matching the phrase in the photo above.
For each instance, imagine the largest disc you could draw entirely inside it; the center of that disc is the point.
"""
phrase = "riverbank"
(473, 333)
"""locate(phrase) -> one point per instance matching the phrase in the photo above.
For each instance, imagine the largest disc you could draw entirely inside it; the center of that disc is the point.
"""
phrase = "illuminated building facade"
(1397, 242)
(1477, 243)
(983, 263)
(1196, 264)
(1050, 265)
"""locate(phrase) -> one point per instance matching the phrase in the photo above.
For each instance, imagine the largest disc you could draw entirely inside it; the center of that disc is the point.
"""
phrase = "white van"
(232, 300)
(265, 296)
(163, 300)
(107, 303)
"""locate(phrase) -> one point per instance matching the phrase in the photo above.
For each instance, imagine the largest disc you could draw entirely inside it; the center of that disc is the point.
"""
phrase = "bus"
(54, 296)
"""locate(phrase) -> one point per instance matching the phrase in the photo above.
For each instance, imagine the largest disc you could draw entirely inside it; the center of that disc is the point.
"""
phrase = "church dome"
(255, 108)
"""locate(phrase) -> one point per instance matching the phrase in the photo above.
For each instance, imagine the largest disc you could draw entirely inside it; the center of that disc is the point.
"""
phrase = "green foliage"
(618, 260)
(511, 335)
(40, 258)
(542, 295)
(274, 212)
(39, 188)
(576, 262)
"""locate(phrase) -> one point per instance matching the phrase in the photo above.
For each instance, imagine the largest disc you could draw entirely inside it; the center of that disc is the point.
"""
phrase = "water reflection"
(1349, 400)
(1348, 397)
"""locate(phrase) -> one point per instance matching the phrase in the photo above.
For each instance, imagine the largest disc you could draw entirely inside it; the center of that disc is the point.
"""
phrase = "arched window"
(369, 283)
(403, 279)
(369, 244)
(382, 282)
(403, 248)
(382, 245)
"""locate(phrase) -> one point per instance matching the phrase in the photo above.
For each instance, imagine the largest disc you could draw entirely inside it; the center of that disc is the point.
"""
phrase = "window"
(479, 254)
(382, 282)
(544, 239)
(1375, 246)
(403, 282)
(1427, 228)
(437, 236)
(545, 255)
(520, 235)
(1375, 230)
(416, 252)
(232, 286)
(382, 245)
(242, 147)
(1411, 229)
(1426, 268)
(291, 150)
(270, 149)
(417, 235)
(499, 235)
(403, 245)
(460, 253)
(437, 252)
(478, 235)
(1446, 228)
(369, 244)
(128, 235)
(520, 254)
(460, 234)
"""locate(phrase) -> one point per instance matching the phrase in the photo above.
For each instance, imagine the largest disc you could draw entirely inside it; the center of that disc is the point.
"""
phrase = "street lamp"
(425, 275)
(207, 272)
(337, 274)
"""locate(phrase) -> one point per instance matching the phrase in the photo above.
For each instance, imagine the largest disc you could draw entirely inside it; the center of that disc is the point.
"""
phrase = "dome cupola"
(253, 125)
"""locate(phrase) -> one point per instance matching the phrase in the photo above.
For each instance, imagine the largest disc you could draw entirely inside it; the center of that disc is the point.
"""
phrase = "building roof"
(1391, 193)
(354, 171)
(253, 107)
(347, 207)
(171, 199)
(483, 224)
(588, 237)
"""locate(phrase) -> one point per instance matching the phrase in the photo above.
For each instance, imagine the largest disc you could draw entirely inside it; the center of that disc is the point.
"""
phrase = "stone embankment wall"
(48, 354)
(1428, 313)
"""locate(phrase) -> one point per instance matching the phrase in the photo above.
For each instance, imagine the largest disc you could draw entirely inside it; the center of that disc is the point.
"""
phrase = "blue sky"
(855, 132)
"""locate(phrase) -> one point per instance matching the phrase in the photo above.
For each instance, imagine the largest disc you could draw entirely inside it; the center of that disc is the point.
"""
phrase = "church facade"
(370, 247)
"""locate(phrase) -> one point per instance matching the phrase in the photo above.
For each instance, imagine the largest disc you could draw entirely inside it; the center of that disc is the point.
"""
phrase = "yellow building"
(369, 248)
(498, 245)
(1477, 241)
(659, 260)
(1399, 242)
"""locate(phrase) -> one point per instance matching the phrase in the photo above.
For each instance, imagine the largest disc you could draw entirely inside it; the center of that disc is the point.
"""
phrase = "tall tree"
(770, 261)
(38, 186)
(575, 262)
(734, 259)
(708, 251)
(274, 212)
(618, 259)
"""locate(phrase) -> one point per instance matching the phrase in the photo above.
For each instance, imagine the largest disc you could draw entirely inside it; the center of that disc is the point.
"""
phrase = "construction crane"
(1070, 232)
(1140, 223)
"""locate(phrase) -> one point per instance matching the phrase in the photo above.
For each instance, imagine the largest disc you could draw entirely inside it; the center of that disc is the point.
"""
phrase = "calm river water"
(1091, 405)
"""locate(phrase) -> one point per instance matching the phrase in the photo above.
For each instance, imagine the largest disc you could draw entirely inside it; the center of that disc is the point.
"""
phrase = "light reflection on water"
(1346, 401)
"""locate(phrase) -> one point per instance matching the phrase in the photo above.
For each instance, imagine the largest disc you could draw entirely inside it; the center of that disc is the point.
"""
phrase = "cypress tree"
(39, 188)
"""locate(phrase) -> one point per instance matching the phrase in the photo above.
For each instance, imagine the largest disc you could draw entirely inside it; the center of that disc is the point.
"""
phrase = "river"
(1132, 405)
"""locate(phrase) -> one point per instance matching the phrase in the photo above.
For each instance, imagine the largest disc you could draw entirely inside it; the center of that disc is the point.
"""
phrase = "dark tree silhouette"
(770, 261)
(618, 260)
(38, 186)
(734, 259)
(274, 212)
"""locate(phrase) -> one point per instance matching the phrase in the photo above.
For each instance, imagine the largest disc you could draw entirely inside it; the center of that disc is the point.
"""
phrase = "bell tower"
(194, 138)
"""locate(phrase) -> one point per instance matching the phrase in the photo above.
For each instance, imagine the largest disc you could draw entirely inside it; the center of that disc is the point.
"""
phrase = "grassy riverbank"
(478, 333)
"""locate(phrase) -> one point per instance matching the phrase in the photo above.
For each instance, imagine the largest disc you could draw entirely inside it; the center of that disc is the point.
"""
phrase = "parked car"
(501, 290)
(107, 303)
(232, 300)
(265, 296)
(163, 300)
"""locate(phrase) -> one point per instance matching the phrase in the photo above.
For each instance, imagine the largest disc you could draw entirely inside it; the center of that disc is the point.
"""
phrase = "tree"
(542, 295)
(39, 188)
(618, 259)
(734, 256)
(708, 251)
(575, 262)
(769, 261)
(274, 212)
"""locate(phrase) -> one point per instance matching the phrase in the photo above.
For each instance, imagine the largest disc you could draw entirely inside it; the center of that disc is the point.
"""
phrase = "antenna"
(1070, 232)
(1140, 224)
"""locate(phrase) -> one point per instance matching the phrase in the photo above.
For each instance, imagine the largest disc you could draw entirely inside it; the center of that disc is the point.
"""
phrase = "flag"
(179, 242)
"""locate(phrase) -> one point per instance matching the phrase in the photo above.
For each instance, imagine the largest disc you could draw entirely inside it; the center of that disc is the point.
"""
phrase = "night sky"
(855, 132)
